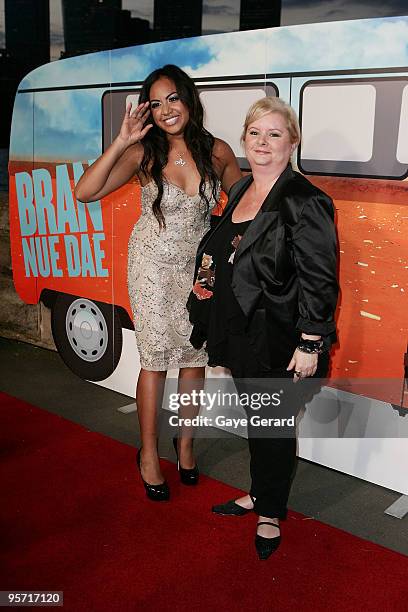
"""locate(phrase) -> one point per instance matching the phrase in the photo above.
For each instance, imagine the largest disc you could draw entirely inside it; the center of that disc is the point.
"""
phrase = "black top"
(285, 270)
(213, 301)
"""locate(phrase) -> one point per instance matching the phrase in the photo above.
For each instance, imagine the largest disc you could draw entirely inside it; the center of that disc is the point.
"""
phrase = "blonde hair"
(271, 104)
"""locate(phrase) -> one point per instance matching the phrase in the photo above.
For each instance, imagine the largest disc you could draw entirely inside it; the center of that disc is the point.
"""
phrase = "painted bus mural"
(348, 81)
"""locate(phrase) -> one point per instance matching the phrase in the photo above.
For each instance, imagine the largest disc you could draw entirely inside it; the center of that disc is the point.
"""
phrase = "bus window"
(225, 107)
(350, 127)
(402, 147)
(347, 110)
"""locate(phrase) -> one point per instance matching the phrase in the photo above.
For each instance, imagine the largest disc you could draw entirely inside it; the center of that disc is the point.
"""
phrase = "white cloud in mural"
(67, 124)
(67, 111)
(235, 52)
(128, 64)
(347, 44)
(327, 46)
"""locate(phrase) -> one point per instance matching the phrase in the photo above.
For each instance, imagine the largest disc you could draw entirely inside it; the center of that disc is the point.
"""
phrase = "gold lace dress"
(160, 277)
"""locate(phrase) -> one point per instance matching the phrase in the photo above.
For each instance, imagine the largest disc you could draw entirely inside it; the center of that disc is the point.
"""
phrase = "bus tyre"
(88, 336)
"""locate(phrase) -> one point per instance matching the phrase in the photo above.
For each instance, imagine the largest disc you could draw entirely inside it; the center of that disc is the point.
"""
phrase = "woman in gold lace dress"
(181, 168)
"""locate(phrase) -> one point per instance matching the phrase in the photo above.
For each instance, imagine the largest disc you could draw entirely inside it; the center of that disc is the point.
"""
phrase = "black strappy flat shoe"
(159, 492)
(231, 508)
(266, 546)
(187, 476)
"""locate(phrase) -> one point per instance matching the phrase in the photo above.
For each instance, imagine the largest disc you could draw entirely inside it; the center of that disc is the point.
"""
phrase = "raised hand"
(132, 130)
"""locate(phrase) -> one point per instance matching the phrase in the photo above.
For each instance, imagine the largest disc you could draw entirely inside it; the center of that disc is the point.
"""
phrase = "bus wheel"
(88, 336)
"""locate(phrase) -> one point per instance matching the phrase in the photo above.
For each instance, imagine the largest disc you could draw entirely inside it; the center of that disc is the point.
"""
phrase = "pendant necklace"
(180, 161)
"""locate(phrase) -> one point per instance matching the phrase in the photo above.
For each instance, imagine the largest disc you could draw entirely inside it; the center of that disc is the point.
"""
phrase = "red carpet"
(75, 519)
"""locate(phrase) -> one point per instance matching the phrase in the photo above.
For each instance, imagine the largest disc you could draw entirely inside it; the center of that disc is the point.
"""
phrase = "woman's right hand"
(132, 130)
(120, 161)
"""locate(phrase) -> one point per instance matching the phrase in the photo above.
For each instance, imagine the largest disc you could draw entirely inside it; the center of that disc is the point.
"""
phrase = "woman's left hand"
(304, 364)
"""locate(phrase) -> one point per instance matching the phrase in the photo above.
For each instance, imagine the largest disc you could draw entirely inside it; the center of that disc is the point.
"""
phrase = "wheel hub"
(86, 329)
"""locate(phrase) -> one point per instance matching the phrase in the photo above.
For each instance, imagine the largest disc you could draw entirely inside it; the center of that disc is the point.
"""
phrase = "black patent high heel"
(187, 476)
(266, 546)
(159, 492)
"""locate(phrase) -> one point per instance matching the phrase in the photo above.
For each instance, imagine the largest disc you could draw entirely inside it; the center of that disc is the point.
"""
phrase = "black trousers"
(272, 449)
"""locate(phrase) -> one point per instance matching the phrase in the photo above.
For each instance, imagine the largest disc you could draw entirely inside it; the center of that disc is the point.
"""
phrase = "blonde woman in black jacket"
(268, 313)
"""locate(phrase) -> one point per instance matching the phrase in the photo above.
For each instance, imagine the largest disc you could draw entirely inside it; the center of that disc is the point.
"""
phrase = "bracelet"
(310, 346)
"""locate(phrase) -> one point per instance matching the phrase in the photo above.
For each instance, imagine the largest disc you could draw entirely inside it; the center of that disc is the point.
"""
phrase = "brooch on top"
(235, 242)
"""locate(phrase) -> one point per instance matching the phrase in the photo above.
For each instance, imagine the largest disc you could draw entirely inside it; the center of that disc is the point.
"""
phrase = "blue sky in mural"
(128, 64)
(68, 123)
(21, 137)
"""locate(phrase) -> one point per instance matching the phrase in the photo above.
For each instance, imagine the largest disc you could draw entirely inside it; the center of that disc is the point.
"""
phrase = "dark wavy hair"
(198, 140)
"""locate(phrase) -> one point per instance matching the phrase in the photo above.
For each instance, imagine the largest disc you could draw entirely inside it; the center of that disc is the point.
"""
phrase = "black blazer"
(285, 267)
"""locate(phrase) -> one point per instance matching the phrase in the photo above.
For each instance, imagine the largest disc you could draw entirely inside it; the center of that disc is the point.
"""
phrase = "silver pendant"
(180, 161)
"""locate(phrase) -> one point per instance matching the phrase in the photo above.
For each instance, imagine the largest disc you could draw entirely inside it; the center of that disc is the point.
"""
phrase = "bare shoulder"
(223, 156)
(222, 150)
(225, 164)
